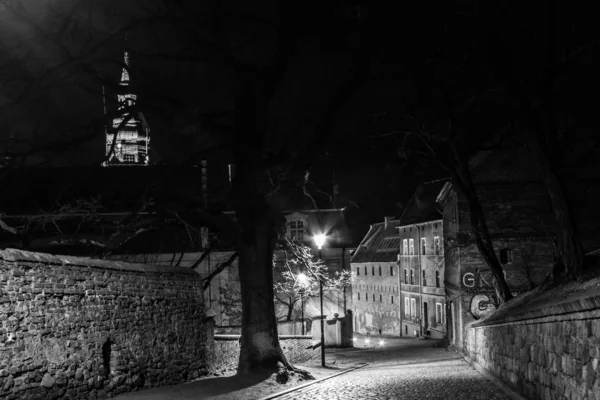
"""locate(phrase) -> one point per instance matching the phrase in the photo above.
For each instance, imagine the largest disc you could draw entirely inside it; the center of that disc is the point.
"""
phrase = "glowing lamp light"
(381, 343)
(319, 240)
(367, 341)
(302, 279)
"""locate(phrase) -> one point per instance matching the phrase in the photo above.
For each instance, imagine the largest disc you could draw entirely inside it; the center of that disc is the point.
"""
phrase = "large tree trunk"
(462, 180)
(258, 221)
(260, 344)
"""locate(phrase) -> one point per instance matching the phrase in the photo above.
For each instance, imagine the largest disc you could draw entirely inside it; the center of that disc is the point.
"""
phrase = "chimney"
(387, 220)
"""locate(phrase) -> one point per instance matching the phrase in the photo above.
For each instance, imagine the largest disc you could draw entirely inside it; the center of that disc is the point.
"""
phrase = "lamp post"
(302, 279)
(320, 241)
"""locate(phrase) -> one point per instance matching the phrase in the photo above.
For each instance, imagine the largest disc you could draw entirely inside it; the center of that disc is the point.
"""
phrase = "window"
(423, 246)
(413, 307)
(412, 276)
(381, 298)
(366, 296)
(392, 299)
(436, 245)
(129, 157)
(405, 275)
(391, 271)
(373, 296)
(405, 246)
(297, 230)
(358, 296)
(357, 271)
(380, 270)
(505, 256)
(424, 279)
(373, 270)
(411, 245)
(406, 306)
(437, 278)
(438, 313)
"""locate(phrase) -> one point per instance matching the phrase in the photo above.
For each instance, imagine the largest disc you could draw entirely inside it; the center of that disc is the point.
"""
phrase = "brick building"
(421, 263)
(519, 218)
(375, 300)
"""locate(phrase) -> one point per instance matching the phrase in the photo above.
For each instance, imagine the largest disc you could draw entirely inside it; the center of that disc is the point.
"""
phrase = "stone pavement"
(405, 369)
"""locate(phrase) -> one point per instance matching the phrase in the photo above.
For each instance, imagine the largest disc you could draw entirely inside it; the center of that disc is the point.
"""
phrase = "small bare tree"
(302, 275)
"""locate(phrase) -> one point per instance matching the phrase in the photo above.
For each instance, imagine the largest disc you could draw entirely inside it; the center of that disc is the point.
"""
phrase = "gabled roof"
(422, 206)
(381, 243)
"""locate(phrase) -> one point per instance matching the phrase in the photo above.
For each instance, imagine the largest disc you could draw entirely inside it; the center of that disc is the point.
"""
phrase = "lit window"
(424, 279)
(438, 313)
(412, 276)
(406, 306)
(437, 278)
(129, 157)
(423, 246)
(436, 245)
(411, 245)
(297, 230)
(413, 307)
(405, 246)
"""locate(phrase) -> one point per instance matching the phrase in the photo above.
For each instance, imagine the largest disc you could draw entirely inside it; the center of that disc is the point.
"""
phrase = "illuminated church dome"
(133, 136)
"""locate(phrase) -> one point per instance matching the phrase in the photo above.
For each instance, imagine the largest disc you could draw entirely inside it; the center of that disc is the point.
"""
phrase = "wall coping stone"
(284, 337)
(563, 302)
(15, 255)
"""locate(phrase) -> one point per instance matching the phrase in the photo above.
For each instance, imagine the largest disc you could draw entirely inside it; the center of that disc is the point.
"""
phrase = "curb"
(510, 392)
(275, 395)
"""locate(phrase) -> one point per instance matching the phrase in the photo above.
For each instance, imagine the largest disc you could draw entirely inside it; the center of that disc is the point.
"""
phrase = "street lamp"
(320, 241)
(302, 280)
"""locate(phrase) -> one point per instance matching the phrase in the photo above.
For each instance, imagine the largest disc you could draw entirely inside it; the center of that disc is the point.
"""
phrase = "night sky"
(344, 74)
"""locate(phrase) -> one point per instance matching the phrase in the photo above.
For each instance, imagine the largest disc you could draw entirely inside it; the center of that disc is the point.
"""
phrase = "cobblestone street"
(405, 369)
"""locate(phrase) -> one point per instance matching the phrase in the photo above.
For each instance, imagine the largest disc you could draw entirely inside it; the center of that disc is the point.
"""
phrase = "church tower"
(133, 137)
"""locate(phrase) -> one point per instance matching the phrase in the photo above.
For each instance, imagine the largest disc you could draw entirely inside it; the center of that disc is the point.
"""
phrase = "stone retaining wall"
(84, 329)
(549, 352)
(297, 349)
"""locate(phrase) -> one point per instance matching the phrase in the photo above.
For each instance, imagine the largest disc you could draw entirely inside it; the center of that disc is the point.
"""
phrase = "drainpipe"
(343, 269)
(420, 277)
(399, 264)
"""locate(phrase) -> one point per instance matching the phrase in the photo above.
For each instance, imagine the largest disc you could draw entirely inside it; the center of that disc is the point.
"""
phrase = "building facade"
(421, 263)
(399, 267)
(375, 290)
(518, 214)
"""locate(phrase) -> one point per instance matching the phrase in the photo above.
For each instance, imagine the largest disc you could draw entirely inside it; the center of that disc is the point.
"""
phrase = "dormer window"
(296, 230)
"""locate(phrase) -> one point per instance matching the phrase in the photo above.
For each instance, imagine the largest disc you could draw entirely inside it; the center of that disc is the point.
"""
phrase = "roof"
(380, 244)
(422, 206)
